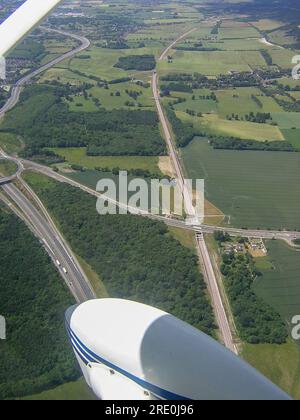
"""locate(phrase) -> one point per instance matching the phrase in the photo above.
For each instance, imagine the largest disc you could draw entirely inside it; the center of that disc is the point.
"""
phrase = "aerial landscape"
(157, 90)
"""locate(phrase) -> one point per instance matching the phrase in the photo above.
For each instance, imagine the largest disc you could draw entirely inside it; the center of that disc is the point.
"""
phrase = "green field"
(281, 37)
(287, 120)
(240, 101)
(115, 97)
(239, 44)
(267, 24)
(210, 63)
(100, 64)
(212, 124)
(63, 75)
(78, 156)
(282, 57)
(237, 101)
(280, 286)
(289, 81)
(197, 104)
(281, 364)
(256, 189)
(102, 61)
(185, 237)
(159, 35)
(72, 391)
(234, 29)
(10, 143)
(7, 168)
(292, 136)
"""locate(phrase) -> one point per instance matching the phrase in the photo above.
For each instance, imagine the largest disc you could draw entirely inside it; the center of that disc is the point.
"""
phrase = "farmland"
(78, 156)
(208, 63)
(115, 97)
(212, 124)
(292, 136)
(77, 390)
(278, 363)
(250, 187)
(280, 286)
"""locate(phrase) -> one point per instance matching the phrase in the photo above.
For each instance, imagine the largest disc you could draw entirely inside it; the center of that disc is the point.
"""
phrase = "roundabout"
(10, 168)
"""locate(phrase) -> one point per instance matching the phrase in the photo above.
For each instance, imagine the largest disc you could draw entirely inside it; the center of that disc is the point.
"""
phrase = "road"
(189, 208)
(17, 88)
(168, 49)
(208, 271)
(45, 170)
(235, 232)
(55, 245)
(42, 225)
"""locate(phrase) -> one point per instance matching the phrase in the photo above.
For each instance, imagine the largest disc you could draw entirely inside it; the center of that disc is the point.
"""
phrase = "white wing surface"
(22, 21)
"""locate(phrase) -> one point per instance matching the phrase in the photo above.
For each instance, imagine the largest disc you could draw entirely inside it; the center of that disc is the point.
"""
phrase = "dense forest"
(43, 119)
(135, 257)
(36, 354)
(256, 321)
(137, 62)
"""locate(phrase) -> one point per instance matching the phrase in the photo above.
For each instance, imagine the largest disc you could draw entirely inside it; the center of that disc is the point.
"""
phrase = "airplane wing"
(22, 21)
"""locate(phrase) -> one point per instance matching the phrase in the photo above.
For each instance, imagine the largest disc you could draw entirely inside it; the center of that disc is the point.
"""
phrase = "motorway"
(55, 245)
(42, 224)
(17, 88)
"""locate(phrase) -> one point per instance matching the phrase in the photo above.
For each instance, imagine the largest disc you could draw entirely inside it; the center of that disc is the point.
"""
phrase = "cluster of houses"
(236, 247)
(254, 246)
